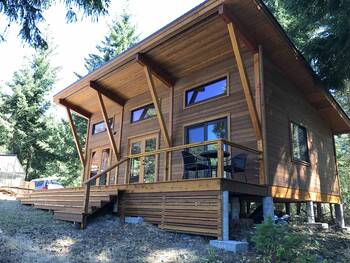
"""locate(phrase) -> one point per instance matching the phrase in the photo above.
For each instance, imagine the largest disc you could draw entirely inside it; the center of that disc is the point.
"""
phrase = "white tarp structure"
(11, 171)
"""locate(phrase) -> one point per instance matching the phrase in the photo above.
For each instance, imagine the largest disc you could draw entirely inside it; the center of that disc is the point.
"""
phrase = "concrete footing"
(225, 216)
(133, 220)
(230, 245)
(318, 226)
(310, 212)
(268, 208)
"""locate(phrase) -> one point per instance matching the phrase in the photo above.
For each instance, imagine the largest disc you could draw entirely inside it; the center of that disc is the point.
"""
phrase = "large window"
(206, 131)
(100, 126)
(206, 92)
(143, 113)
(300, 150)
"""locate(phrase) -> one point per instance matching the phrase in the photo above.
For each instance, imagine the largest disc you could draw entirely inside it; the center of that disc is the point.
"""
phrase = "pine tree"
(27, 14)
(320, 29)
(121, 36)
(25, 107)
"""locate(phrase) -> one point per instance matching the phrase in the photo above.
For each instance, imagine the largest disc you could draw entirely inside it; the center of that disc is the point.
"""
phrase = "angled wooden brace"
(75, 137)
(155, 100)
(108, 128)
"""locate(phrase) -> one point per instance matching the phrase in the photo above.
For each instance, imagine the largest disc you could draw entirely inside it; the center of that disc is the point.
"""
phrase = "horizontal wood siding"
(284, 103)
(101, 139)
(233, 106)
(188, 212)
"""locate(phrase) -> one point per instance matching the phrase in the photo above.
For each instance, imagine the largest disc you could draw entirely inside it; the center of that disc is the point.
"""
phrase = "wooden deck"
(67, 204)
(188, 206)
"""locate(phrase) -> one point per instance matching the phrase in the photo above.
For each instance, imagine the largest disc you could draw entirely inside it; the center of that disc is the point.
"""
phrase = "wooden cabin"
(215, 109)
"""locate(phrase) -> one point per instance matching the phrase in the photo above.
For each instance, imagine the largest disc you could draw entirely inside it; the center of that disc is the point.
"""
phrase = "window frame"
(207, 83)
(139, 108)
(111, 124)
(205, 124)
(293, 158)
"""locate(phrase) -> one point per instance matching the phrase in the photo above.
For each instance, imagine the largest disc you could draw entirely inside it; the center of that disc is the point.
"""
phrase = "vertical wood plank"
(75, 137)
(336, 165)
(264, 170)
(109, 130)
(220, 169)
(120, 142)
(86, 198)
(155, 100)
(171, 121)
(257, 81)
(86, 152)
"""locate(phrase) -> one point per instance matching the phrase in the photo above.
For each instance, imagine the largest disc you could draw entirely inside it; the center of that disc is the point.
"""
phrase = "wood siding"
(189, 212)
(233, 107)
(285, 103)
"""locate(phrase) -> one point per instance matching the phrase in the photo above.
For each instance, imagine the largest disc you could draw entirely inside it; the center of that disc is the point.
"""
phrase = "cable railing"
(209, 159)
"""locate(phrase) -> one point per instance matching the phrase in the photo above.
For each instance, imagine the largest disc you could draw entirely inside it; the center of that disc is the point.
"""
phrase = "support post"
(235, 208)
(245, 82)
(243, 208)
(310, 212)
(225, 216)
(86, 204)
(254, 116)
(319, 212)
(86, 152)
(75, 137)
(331, 211)
(298, 208)
(339, 215)
(287, 205)
(157, 106)
(268, 208)
(108, 128)
(220, 164)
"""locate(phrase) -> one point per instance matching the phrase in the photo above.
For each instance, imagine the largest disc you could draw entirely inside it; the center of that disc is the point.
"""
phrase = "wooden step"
(97, 203)
(58, 198)
(69, 216)
(64, 207)
(92, 193)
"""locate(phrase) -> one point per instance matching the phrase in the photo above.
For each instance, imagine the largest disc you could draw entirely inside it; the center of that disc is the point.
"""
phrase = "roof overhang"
(182, 47)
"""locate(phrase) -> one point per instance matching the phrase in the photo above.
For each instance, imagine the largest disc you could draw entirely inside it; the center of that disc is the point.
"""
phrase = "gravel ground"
(32, 235)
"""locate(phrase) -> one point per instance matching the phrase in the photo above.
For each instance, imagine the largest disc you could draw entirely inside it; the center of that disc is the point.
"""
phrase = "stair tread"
(67, 204)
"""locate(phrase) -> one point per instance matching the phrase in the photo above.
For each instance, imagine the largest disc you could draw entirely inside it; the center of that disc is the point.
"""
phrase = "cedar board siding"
(284, 103)
(233, 106)
(189, 212)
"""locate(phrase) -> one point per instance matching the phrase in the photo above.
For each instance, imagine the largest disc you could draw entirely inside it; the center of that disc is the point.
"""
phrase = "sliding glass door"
(207, 131)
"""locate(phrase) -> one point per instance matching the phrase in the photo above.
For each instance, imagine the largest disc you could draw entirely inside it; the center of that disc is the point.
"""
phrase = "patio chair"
(237, 165)
(194, 164)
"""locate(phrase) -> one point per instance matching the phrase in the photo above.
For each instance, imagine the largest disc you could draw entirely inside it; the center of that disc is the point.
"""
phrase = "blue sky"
(75, 41)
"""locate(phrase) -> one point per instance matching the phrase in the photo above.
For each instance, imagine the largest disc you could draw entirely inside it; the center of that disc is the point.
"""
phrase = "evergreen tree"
(121, 36)
(25, 107)
(27, 14)
(320, 29)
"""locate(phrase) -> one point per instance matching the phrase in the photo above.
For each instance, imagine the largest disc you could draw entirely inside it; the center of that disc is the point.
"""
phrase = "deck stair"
(67, 204)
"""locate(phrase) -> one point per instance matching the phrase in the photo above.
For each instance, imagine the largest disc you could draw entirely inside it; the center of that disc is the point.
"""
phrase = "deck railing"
(216, 158)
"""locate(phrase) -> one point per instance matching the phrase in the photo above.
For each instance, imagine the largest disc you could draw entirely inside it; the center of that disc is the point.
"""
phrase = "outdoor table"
(213, 154)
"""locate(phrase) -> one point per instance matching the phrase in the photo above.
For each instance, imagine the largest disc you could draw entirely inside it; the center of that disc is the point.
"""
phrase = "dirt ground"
(30, 235)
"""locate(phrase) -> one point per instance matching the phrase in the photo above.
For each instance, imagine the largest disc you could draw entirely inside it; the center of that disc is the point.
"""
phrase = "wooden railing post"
(86, 203)
(220, 169)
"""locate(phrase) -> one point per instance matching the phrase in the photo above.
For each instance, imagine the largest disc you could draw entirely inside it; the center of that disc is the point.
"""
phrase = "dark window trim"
(295, 159)
(206, 125)
(110, 120)
(203, 85)
(139, 108)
